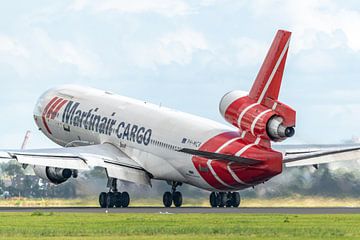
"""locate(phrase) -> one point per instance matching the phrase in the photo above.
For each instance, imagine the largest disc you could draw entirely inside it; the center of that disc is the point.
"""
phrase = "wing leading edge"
(117, 164)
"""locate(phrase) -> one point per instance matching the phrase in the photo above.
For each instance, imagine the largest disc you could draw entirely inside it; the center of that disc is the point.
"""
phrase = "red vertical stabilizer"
(268, 81)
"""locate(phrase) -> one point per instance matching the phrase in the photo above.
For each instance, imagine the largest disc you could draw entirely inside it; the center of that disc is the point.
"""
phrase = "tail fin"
(268, 81)
(26, 140)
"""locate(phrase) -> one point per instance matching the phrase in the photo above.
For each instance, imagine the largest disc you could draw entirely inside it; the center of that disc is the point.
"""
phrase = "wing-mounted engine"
(259, 112)
(52, 174)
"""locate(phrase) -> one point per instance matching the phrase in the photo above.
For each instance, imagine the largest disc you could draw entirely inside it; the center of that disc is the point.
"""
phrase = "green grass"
(45, 225)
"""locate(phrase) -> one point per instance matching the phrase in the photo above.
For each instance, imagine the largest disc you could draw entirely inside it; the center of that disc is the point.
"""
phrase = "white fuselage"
(147, 133)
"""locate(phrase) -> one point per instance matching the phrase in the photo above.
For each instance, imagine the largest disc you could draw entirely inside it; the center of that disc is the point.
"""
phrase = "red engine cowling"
(270, 119)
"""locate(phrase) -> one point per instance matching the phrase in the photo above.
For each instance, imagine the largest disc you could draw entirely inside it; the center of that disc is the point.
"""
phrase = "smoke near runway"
(334, 180)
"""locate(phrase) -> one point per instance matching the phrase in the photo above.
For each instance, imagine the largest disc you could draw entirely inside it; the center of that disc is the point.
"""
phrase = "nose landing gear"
(222, 199)
(113, 198)
(173, 196)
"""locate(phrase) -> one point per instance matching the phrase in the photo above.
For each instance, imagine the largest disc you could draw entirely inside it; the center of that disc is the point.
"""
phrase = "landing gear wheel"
(177, 199)
(229, 201)
(110, 200)
(117, 199)
(125, 199)
(223, 199)
(167, 199)
(235, 199)
(214, 200)
(102, 200)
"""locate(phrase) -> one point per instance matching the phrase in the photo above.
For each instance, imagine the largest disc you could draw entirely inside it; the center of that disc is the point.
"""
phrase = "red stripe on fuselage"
(53, 106)
(57, 109)
(212, 145)
(271, 166)
(240, 176)
(220, 167)
(45, 111)
(48, 106)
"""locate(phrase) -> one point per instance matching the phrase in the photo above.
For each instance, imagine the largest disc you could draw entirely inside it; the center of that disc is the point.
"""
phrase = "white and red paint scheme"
(138, 141)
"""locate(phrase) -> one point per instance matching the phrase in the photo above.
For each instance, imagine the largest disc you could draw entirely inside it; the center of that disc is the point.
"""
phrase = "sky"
(181, 54)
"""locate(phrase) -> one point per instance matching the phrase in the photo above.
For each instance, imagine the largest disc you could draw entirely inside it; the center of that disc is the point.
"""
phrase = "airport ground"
(56, 225)
(81, 222)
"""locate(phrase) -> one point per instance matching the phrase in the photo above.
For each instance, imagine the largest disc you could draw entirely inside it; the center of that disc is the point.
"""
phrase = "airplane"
(137, 141)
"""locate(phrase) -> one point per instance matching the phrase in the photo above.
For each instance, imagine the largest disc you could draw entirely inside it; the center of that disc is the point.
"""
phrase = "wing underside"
(117, 164)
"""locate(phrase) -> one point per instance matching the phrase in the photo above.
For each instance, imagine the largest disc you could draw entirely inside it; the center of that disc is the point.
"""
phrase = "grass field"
(296, 201)
(53, 226)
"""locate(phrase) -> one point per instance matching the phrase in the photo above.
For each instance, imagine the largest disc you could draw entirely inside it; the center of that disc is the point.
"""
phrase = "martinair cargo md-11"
(137, 141)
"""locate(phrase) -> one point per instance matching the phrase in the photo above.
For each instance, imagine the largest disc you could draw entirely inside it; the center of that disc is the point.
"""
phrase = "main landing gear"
(224, 199)
(173, 196)
(113, 198)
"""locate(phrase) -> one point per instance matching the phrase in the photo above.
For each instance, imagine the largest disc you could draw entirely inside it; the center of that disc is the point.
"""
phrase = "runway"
(160, 210)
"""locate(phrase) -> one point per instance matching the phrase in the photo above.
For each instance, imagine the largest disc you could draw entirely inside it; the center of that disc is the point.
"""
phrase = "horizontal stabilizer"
(219, 156)
(322, 156)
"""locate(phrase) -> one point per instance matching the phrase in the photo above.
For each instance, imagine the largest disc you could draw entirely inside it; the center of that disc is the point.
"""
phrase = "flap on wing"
(117, 164)
(219, 156)
(53, 161)
(136, 175)
(323, 156)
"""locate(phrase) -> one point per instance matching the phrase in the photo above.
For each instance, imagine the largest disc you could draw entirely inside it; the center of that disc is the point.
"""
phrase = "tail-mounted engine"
(272, 120)
(259, 112)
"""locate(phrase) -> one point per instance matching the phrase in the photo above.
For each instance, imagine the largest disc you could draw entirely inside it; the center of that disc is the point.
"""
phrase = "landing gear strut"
(223, 199)
(173, 196)
(113, 198)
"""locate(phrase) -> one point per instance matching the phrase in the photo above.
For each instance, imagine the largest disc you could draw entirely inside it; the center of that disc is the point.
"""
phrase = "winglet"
(268, 81)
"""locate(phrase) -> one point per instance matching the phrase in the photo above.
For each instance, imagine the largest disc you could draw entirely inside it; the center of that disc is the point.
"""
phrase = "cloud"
(249, 51)
(179, 46)
(176, 47)
(11, 46)
(40, 52)
(66, 52)
(308, 18)
(167, 8)
(315, 61)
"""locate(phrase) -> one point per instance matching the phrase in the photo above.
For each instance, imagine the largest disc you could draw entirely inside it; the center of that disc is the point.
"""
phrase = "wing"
(117, 164)
(319, 155)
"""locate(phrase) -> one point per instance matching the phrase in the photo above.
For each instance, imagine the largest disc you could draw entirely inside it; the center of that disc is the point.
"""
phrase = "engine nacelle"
(54, 175)
(269, 119)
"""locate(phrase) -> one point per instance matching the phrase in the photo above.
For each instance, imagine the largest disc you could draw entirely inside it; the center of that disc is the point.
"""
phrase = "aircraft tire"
(102, 199)
(235, 199)
(229, 199)
(117, 199)
(223, 199)
(110, 200)
(177, 199)
(167, 199)
(214, 200)
(125, 199)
